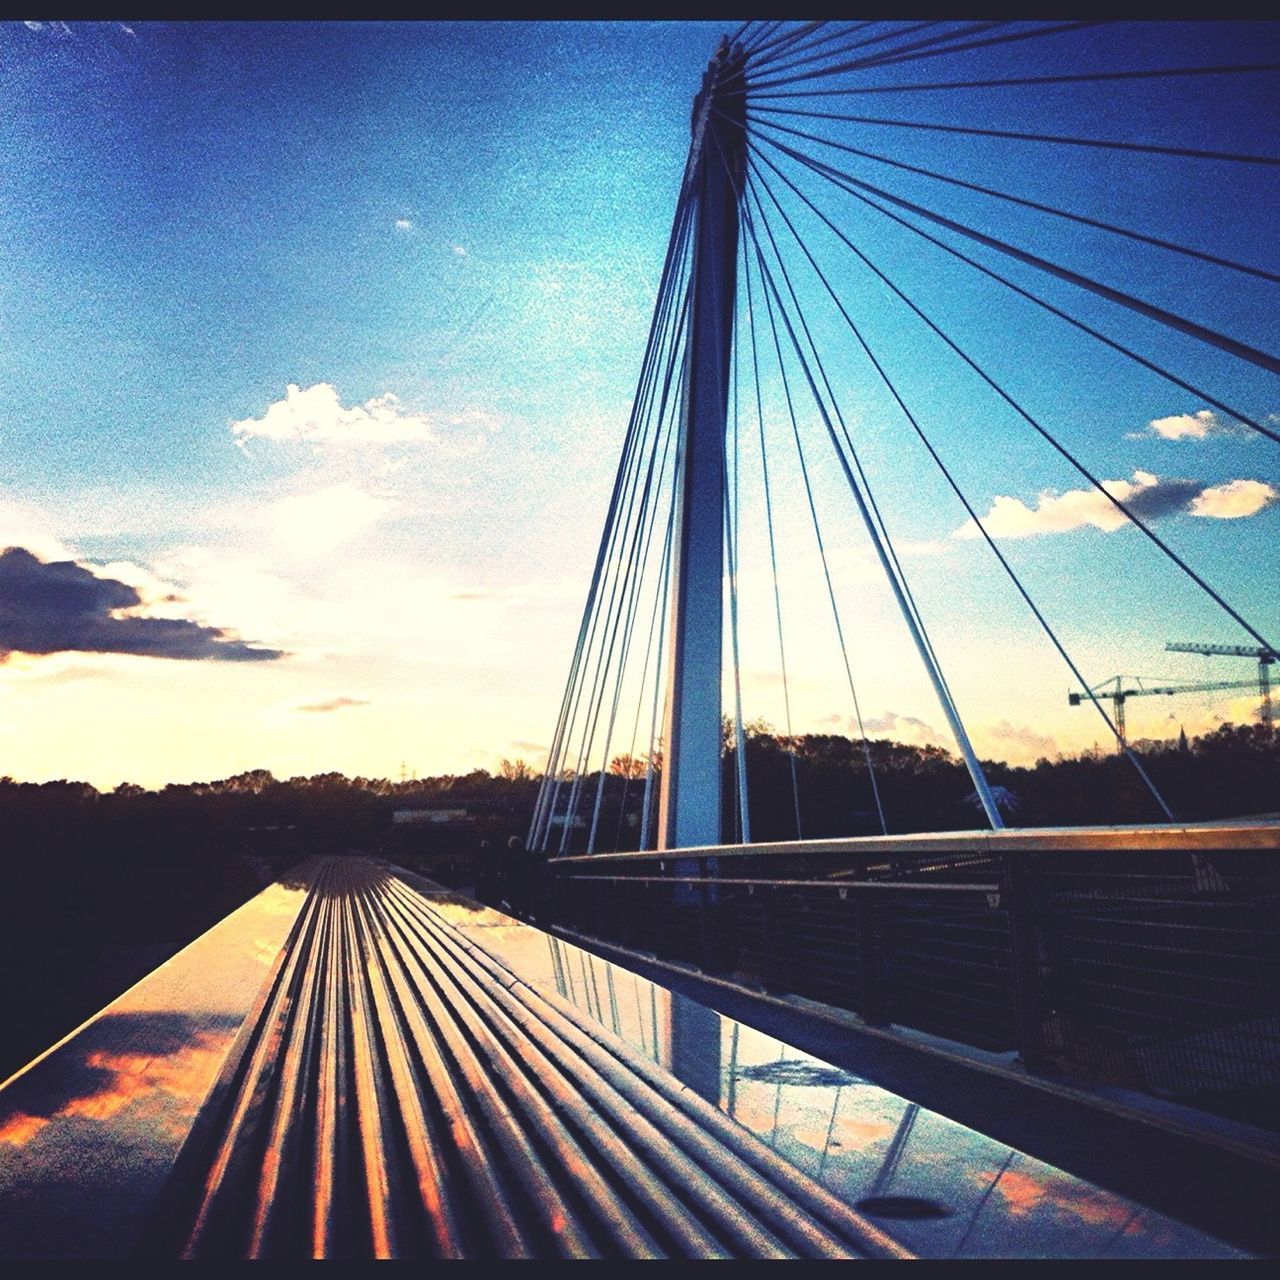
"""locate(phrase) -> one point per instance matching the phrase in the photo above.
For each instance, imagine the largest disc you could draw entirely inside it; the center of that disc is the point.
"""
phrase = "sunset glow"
(321, 341)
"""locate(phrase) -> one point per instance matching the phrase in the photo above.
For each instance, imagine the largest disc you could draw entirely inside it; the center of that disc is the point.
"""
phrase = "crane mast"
(1264, 658)
(1119, 695)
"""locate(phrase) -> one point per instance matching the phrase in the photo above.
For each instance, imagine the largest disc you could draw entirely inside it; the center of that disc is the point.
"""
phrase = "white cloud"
(1148, 496)
(1189, 426)
(326, 517)
(1234, 499)
(262, 602)
(403, 224)
(160, 597)
(1185, 426)
(317, 415)
(459, 251)
(1059, 513)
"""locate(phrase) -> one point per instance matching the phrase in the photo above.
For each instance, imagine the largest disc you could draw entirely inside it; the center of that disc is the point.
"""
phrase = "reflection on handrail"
(423, 1076)
(403, 1094)
(982, 1204)
(862, 1141)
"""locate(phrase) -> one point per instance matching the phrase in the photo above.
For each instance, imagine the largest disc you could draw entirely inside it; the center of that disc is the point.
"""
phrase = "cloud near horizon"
(1146, 495)
(908, 729)
(334, 704)
(1017, 740)
(59, 606)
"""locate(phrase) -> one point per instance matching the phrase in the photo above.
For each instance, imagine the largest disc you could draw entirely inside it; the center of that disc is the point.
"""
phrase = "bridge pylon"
(689, 797)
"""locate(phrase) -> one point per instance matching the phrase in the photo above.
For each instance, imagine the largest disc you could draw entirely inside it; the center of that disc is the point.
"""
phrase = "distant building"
(428, 817)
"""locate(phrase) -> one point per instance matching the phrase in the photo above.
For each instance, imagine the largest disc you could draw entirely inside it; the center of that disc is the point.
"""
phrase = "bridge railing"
(1147, 957)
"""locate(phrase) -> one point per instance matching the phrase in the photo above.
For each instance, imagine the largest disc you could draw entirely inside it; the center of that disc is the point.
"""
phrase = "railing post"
(709, 907)
(872, 1004)
(598, 908)
(550, 896)
(1023, 908)
(659, 907)
(778, 965)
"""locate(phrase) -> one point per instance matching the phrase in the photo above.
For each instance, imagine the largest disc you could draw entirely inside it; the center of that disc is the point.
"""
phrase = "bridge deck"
(357, 1064)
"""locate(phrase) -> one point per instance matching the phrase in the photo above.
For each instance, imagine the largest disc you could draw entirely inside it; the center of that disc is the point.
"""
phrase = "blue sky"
(447, 238)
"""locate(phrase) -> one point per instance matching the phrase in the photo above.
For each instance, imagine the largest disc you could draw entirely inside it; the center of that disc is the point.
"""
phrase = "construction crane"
(1263, 657)
(1119, 695)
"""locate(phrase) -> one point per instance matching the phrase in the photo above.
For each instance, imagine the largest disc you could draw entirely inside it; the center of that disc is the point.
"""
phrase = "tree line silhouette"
(100, 886)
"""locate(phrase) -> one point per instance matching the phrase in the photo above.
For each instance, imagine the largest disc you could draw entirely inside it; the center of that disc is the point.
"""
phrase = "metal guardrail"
(1147, 957)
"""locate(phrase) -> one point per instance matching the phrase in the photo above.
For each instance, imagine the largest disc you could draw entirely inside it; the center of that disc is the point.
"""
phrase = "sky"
(319, 341)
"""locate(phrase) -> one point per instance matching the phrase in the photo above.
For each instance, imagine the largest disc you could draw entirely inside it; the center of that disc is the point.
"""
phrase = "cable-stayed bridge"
(676, 1037)
(807, 236)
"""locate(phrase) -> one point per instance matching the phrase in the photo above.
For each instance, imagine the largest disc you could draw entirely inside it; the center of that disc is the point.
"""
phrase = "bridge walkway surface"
(358, 1063)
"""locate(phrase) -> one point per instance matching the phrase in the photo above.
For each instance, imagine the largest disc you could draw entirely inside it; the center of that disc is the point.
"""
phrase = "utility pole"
(689, 799)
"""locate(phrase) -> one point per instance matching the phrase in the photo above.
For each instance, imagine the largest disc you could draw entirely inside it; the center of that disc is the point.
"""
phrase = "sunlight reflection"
(861, 1141)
